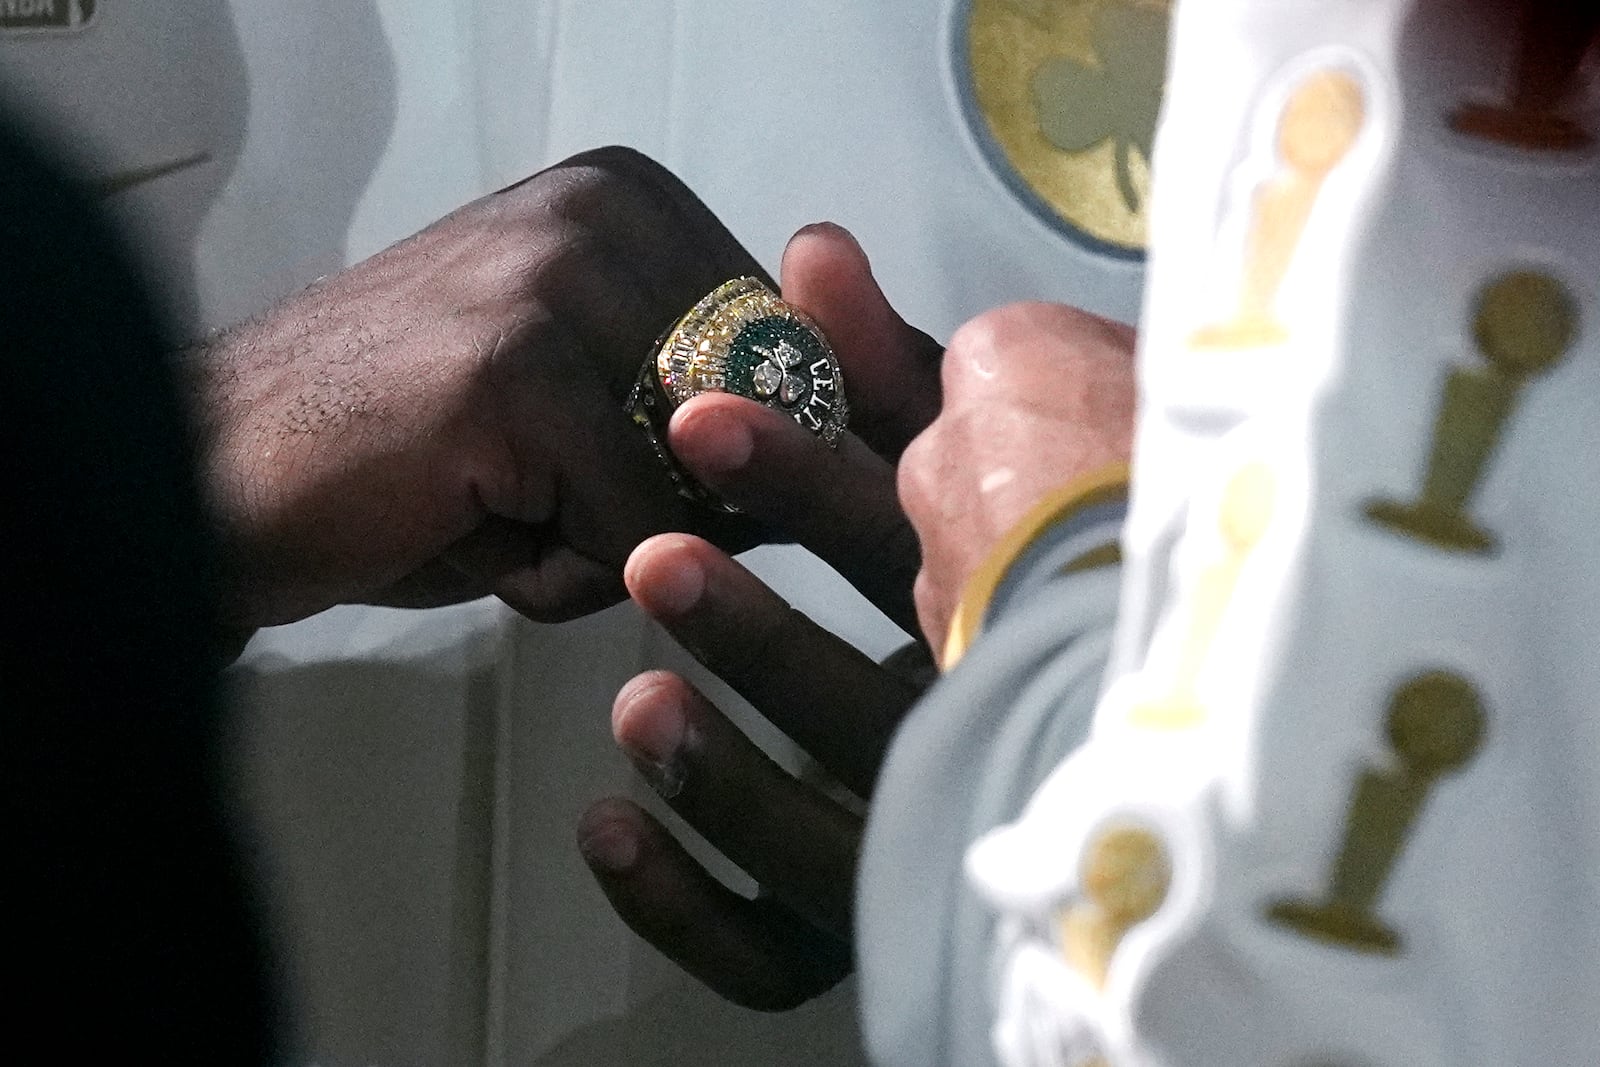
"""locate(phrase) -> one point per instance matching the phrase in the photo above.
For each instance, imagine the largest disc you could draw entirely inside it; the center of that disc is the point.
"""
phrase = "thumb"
(891, 370)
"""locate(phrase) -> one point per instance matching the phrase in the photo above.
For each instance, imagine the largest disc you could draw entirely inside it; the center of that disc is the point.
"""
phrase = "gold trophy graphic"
(1436, 725)
(1319, 126)
(1124, 879)
(1525, 323)
(1242, 520)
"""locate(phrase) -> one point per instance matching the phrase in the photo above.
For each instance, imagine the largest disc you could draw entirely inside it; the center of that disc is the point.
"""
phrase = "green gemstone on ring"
(781, 361)
(771, 345)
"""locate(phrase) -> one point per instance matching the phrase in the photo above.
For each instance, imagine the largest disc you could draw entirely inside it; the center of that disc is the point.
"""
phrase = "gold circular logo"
(1063, 96)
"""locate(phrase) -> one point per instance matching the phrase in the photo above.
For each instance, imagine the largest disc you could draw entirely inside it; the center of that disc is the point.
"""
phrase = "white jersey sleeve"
(1340, 801)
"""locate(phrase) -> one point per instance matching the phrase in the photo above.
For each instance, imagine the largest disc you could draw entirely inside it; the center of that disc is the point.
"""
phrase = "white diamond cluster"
(772, 377)
(767, 379)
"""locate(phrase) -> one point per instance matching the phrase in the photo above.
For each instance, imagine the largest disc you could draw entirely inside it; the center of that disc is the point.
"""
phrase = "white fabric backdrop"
(416, 775)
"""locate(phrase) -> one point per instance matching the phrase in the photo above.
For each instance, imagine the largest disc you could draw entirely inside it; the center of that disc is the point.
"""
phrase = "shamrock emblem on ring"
(773, 377)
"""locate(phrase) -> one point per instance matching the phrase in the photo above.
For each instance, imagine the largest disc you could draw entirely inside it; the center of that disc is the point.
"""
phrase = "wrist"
(1076, 527)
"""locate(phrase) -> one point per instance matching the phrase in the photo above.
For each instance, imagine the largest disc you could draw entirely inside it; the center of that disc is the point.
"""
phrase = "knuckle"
(1043, 357)
(618, 161)
(604, 167)
(587, 184)
(915, 481)
(1013, 335)
(997, 328)
(970, 362)
(971, 338)
(1067, 320)
(574, 193)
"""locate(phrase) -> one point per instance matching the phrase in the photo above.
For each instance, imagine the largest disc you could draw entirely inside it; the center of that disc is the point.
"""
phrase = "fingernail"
(834, 228)
(851, 237)
(728, 450)
(612, 845)
(666, 778)
(716, 443)
(824, 226)
(678, 588)
(655, 739)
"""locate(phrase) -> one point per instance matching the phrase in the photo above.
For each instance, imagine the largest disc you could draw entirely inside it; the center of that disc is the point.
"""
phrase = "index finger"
(826, 695)
(838, 502)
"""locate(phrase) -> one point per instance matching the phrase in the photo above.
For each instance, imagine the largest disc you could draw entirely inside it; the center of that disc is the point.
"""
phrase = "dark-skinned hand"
(792, 941)
(444, 420)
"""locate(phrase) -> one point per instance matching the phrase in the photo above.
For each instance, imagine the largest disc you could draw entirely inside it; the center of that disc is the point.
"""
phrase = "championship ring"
(740, 339)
